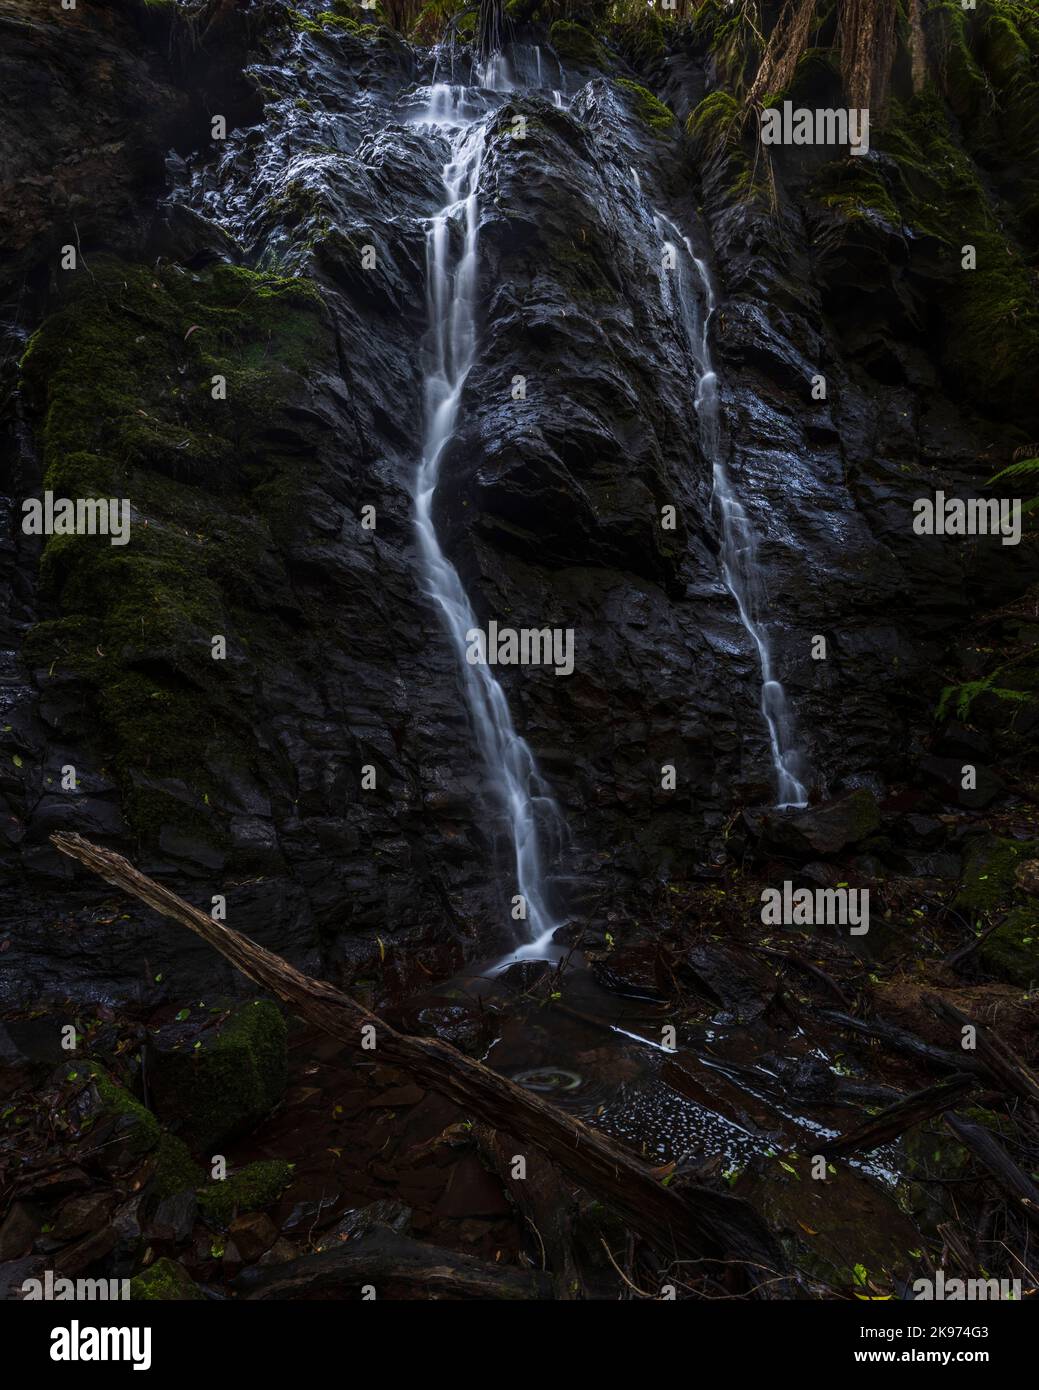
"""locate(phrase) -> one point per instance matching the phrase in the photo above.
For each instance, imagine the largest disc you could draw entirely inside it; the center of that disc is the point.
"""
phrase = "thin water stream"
(451, 259)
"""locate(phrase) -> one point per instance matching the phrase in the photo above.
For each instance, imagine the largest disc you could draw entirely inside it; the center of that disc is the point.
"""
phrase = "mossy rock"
(1012, 951)
(716, 132)
(142, 1130)
(651, 112)
(257, 1186)
(175, 1171)
(988, 882)
(716, 121)
(576, 44)
(164, 1281)
(121, 380)
(857, 190)
(228, 1082)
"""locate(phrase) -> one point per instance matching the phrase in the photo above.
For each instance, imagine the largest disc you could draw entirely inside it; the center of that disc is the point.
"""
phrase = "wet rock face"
(550, 506)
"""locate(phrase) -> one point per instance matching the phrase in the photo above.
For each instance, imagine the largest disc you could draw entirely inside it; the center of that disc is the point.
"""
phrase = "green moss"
(255, 1187)
(988, 873)
(122, 379)
(852, 1222)
(989, 338)
(654, 113)
(176, 1171)
(1012, 951)
(228, 1085)
(576, 44)
(303, 23)
(856, 190)
(717, 122)
(141, 1128)
(330, 20)
(164, 1281)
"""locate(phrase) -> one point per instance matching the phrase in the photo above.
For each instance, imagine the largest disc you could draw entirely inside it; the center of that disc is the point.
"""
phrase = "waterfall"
(740, 568)
(451, 289)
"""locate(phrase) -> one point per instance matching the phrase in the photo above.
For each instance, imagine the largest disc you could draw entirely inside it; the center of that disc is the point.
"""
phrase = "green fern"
(965, 695)
(1024, 468)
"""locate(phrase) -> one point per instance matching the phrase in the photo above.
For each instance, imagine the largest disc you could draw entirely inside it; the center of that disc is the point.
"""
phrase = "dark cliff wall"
(242, 258)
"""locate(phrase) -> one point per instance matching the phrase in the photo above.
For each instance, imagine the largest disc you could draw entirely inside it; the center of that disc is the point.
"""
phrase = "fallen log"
(807, 968)
(547, 1205)
(1017, 1185)
(392, 1264)
(904, 1041)
(698, 1223)
(1000, 1059)
(895, 1119)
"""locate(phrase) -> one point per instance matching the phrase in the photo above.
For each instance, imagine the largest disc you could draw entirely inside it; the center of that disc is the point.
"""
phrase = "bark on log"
(387, 1260)
(895, 1119)
(906, 1042)
(696, 1224)
(545, 1202)
(996, 1054)
(1018, 1186)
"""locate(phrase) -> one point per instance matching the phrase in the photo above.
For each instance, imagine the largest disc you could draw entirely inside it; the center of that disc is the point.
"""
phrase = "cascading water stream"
(740, 568)
(451, 303)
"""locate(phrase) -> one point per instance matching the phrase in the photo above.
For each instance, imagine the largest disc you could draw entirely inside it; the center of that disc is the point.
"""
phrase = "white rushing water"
(451, 289)
(694, 304)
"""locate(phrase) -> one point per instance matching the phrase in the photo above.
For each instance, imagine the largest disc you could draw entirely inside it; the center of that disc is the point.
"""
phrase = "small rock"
(396, 1215)
(74, 1259)
(81, 1215)
(174, 1218)
(948, 773)
(52, 1187)
(13, 1274)
(229, 1083)
(281, 1251)
(742, 985)
(253, 1233)
(19, 1231)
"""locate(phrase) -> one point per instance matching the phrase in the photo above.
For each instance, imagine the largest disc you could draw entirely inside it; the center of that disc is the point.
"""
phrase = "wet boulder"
(742, 985)
(825, 829)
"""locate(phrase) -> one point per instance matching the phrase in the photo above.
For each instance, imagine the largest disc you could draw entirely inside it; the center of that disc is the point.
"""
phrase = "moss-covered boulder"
(257, 1186)
(175, 1169)
(653, 113)
(164, 1281)
(139, 1128)
(576, 44)
(989, 873)
(221, 1082)
(1012, 951)
(172, 1167)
